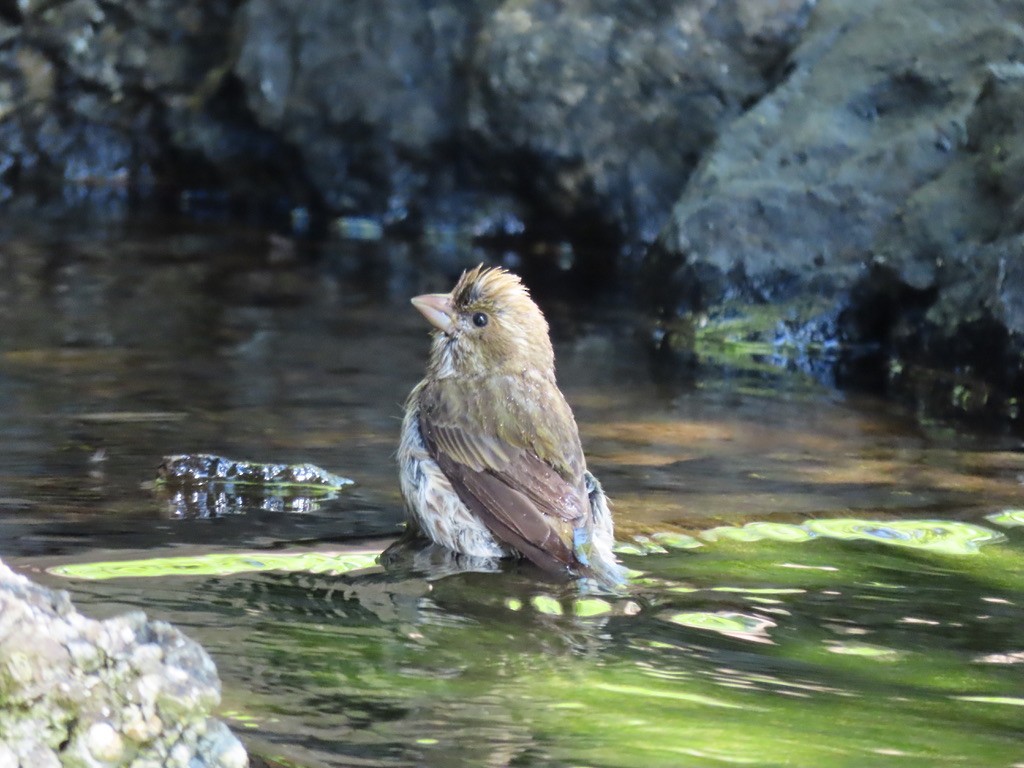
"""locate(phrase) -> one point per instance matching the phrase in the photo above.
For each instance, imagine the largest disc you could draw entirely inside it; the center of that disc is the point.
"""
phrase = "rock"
(882, 177)
(601, 109)
(370, 94)
(120, 692)
(586, 116)
(100, 101)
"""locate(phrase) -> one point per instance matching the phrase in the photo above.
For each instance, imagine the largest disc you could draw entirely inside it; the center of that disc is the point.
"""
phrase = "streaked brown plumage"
(490, 458)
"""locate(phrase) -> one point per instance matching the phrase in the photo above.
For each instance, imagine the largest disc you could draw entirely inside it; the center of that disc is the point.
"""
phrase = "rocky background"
(876, 195)
(854, 166)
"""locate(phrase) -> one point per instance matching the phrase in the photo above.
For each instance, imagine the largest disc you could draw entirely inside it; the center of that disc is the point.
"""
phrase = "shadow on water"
(819, 579)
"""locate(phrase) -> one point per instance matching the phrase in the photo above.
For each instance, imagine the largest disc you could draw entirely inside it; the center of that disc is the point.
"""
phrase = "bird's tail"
(594, 545)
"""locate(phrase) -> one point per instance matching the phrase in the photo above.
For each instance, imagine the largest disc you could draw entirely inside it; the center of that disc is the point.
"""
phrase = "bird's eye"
(479, 319)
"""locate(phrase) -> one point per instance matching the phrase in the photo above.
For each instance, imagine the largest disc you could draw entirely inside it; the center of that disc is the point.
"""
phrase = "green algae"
(724, 622)
(547, 605)
(219, 564)
(950, 537)
(672, 540)
(756, 339)
(1008, 518)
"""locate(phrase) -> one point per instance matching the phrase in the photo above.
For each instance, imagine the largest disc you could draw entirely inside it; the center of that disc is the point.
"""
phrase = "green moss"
(753, 338)
(219, 564)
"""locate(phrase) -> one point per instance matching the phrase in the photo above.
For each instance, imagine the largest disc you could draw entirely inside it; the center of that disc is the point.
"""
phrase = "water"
(821, 579)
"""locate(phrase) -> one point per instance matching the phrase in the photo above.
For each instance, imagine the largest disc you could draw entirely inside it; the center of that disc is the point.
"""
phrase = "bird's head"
(488, 324)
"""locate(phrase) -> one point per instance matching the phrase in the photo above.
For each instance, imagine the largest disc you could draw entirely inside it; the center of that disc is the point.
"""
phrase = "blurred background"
(855, 167)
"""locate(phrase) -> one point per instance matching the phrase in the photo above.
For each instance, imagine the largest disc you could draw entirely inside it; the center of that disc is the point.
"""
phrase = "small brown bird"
(490, 457)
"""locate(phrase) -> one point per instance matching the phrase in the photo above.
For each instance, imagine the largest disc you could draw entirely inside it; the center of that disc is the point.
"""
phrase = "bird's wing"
(522, 500)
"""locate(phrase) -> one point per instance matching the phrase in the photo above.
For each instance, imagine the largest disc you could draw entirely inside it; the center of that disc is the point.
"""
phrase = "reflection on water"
(819, 579)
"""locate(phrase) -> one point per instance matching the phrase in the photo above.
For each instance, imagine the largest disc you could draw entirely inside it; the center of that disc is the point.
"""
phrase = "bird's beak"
(437, 308)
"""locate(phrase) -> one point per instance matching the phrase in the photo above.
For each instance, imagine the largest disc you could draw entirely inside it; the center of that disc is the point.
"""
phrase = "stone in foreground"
(122, 692)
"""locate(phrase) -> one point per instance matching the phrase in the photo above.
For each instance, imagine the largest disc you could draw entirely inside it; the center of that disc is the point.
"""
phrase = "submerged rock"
(122, 692)
(203, 468)
(201, 485)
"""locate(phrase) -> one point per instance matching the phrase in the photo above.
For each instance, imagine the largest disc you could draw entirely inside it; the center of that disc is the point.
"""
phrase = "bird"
(490, 459)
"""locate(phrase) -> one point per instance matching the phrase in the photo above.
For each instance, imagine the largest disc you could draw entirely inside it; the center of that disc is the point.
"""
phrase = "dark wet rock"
(882, 177)
(120, 692)
(371, 94)
(203, 468)
(959, 342)
(101, 101)
(599, 110)
(585, 116)
(198, 485)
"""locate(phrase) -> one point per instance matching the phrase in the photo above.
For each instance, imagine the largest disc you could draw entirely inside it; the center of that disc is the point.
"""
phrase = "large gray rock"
(599, 110)
(120, 692)
(949, 273)
(592, 113)
(586, 115)
(882, 176)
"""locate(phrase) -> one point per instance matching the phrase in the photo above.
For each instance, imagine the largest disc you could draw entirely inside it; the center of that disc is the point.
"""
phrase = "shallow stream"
(820, 578)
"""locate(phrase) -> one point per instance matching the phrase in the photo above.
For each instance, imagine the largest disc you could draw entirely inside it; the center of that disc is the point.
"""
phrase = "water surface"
(821, 579)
